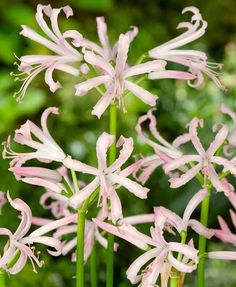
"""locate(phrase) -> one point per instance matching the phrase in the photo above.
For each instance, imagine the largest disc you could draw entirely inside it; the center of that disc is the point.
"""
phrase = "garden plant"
(84, 200)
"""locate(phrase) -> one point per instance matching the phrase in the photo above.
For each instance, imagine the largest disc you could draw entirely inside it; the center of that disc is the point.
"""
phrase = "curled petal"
(84, 87)
(200, 228)
(126, 150)
(145, 96)
(127, 232)
(132, 186)
(132, 272)
(218, 141)
(79, 166)
(194, 136)
(104, 141)
(192, 205)
(78, 198)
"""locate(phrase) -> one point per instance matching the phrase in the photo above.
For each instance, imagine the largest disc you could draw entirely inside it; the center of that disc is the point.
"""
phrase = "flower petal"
(131, 185)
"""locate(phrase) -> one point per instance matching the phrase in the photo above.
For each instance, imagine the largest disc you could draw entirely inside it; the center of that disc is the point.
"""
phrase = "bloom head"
(64, 54)
(40, 140)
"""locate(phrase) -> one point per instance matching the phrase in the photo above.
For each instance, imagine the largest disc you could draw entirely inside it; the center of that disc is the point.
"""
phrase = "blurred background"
(76, 130)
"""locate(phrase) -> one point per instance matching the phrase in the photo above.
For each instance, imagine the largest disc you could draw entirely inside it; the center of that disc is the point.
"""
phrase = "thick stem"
(80, 244)
(2, 278)
(202, 242)
(93, 267)
(174, 282)
(110, 237)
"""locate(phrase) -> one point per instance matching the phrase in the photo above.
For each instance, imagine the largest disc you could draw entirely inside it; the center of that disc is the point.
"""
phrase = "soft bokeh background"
(76, 130)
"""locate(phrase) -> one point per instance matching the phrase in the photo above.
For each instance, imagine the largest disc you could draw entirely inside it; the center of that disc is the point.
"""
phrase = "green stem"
(110, 237)
(141, 58)
(112, 129)
(174, 282)
(2, 278)
(80, 244)
(176, 278)
(75, 181)
(202, 242)
(93, 267)
(183, 241)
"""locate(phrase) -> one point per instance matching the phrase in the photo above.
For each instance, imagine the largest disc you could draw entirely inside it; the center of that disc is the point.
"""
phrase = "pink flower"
(160, 253)
(58, 205)
(19, 242)
(222, 255)
(224, 233)
(171, 219)
(65, 54)
(106, 50)
(39, 176)
(107, 178)
(204, 159)
(45, 148)
(91, 234)
(195, 61)
(229, 191)
(116, 79)
(232, 136)
(164, 151)
(67, 225)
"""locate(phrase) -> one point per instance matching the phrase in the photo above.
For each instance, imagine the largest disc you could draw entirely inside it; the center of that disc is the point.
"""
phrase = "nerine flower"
(57, 203)
(39, 139)
(229, 191)
(19, 242)
(67, 225)
(232, 135)
(106, 50)
(65, 55)
(204, 159)
(224, 233)
(171, 219)
(164, 151)
(107, 178)
(39, 176)
(115, 78)
(195, 61)
(160, 253)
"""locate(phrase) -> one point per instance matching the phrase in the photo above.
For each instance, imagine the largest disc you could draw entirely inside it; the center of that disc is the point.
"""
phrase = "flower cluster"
(105, 67)
(113, 73)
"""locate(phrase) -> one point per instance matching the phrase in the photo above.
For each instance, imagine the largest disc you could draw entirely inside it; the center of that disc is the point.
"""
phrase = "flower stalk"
(80, 244)
(93, 267)
(2, 278)
(202, 241)
(110, 237)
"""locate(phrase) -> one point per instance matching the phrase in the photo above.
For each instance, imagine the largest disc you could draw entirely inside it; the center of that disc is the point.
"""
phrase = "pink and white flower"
(39, 176)
(205, 158)
(164, 151)
(116, 79)
(39, 139)
(224, 233)
(171, 219)
(91, 234)
(195, 61)
(160, 252)
(106, 50)
(232, 135)
(19, 242)
(65, 55)
(59, 204)
(108, 179)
